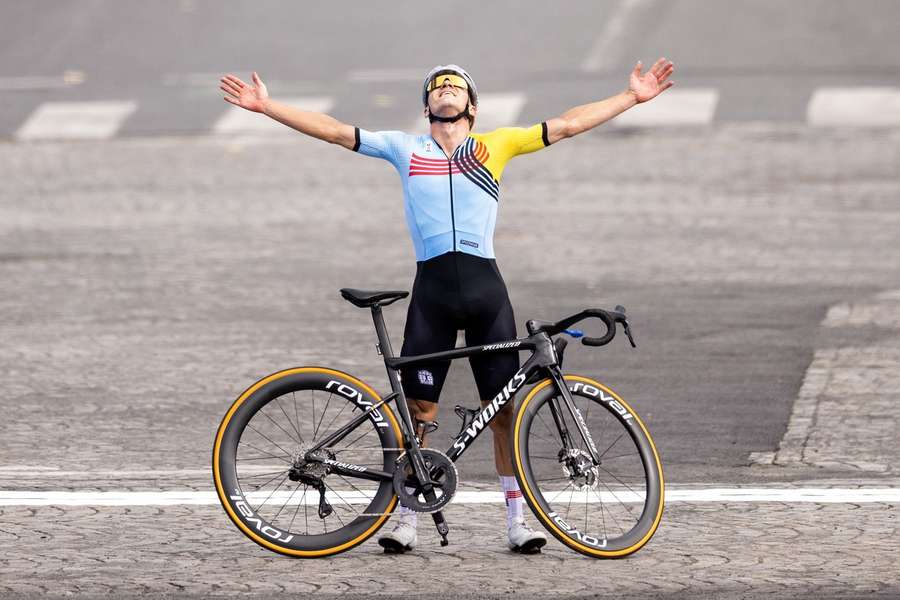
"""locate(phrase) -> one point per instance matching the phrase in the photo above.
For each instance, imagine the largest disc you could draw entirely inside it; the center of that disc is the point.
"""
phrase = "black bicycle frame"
(543, 357)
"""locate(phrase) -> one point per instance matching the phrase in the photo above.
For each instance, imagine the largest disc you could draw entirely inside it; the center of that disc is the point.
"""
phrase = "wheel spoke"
(257, 486)
(286, 453)
(272, 492)
(324, 412)
(275, 518)
(297, 510)
(266, 474)
(613, 475)
(613, 444)
(334, 418)
(267, 454)
(284, 412)
(263, 412)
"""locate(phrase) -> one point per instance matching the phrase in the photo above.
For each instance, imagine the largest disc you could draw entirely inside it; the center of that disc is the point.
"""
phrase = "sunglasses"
(455, 81)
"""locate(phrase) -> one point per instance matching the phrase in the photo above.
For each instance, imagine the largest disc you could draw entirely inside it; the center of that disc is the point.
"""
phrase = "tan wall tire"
(269, 398)
(597, 532)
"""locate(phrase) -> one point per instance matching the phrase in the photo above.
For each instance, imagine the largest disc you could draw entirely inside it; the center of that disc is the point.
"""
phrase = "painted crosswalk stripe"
(694, 106)
(75, 120)
(494, 110)
(239, 120)
(607, 47)
(378, 75)
(499, 110)
(32, 82)
(702, 495)
(854, 106)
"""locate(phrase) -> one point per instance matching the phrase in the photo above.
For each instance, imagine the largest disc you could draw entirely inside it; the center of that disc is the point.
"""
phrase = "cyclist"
(451, 184)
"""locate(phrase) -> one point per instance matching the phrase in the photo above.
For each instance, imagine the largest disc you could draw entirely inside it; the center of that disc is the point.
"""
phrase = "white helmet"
(455, 69)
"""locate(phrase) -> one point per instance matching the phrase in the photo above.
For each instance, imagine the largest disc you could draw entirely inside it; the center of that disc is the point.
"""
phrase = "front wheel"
(608, 509)
(280, 498)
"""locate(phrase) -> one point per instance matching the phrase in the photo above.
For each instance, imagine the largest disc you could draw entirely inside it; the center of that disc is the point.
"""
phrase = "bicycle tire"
(622, 478)
(272, 403)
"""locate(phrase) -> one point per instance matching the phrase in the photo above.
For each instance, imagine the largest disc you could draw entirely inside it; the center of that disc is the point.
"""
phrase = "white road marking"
(695, 106)
(854, 106)
(498, 110)
(75, 120)
(239, 120)
(30, 83)
(604, 53)
(494, 110)
(370, 75)
(210, 79)
(707, 495)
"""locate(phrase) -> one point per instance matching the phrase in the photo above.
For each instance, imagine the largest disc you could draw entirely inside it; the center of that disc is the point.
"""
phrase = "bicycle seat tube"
(411, 442)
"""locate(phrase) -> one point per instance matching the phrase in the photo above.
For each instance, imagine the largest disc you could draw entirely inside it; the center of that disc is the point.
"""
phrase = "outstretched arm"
(587, 116)
(256, 98)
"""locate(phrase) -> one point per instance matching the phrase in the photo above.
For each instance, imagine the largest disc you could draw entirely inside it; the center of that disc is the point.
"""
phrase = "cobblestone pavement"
(717, 550)
(846, 413)
(147, 282)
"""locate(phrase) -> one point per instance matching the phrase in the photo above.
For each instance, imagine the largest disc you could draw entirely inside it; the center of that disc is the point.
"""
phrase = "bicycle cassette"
(444, 478)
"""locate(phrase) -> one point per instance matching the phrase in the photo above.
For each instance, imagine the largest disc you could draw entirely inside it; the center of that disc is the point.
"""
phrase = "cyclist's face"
(448, 99)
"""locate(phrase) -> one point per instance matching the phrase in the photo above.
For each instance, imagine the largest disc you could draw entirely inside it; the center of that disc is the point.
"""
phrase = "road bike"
(311, 461)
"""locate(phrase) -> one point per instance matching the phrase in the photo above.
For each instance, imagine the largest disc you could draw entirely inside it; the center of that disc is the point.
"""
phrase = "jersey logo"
(468, 160)
(421, 165)
(471, 158)
(425, 377)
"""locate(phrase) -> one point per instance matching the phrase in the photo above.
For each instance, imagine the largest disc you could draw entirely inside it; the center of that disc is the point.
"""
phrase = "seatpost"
(384, 344)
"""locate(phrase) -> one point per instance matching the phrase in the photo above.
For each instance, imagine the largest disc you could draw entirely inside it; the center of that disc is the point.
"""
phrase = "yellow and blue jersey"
(451, 203)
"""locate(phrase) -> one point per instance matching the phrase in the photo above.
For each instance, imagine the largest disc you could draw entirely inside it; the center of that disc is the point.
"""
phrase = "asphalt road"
(149, 278)
(764, 60)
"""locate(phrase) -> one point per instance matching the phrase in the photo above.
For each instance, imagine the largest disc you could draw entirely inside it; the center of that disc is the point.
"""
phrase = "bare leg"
(419, 410)
(502, 431)
(422, 410)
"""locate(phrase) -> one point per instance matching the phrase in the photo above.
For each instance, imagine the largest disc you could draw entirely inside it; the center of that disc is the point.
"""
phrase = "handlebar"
(609, 318)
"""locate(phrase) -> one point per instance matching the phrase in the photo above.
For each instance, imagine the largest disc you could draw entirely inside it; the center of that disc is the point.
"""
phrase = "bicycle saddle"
(364, 299)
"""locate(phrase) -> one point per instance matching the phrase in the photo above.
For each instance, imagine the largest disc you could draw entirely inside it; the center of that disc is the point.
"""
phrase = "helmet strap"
(432, 117)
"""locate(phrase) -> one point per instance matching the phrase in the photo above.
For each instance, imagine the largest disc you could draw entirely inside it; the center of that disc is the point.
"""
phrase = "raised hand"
(653, 82)
(251, 97)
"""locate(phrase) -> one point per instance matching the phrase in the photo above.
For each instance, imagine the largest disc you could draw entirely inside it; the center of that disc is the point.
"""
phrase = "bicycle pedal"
(442, 528)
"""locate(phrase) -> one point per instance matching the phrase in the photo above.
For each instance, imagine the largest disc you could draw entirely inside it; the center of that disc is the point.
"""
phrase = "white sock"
(514, 500)
(408, 515)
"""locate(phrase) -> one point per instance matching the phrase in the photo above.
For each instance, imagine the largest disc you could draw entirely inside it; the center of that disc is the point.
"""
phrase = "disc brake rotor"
(580, 470)
(444, 478)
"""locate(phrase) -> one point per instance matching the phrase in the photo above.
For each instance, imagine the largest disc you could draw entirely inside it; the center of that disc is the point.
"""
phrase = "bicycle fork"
(560, 383)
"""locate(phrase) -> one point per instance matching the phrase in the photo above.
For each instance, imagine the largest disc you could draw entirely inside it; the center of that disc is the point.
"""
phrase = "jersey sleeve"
(506, 142)
(380, 144)
(513, 141)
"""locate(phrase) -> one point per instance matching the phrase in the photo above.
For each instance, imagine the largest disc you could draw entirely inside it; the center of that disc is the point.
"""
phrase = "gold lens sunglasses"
(455, 81)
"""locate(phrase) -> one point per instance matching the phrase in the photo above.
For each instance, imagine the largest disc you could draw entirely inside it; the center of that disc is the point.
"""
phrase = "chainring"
(444, 478)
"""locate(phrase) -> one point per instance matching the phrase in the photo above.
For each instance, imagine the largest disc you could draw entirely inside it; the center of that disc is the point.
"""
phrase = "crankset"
(443, 479)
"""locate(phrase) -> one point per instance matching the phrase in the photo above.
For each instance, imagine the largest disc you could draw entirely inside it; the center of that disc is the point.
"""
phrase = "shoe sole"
(530, 547)
(393, 547)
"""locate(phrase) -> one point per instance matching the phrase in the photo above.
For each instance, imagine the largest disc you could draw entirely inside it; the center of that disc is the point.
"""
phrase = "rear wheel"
(272, 493)
(604, 510)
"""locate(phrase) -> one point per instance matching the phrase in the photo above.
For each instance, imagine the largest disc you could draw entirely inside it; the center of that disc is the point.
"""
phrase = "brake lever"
(628, 333)
(621, 318)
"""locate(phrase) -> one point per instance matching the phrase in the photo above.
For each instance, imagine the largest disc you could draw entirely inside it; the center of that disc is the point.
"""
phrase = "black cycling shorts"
(456, 291)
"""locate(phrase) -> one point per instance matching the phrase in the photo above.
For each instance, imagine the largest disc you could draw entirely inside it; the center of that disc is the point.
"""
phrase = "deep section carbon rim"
(606, 509)
(297, 506)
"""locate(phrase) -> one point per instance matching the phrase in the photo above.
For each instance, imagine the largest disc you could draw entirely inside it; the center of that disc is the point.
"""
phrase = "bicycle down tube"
(543, 356)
